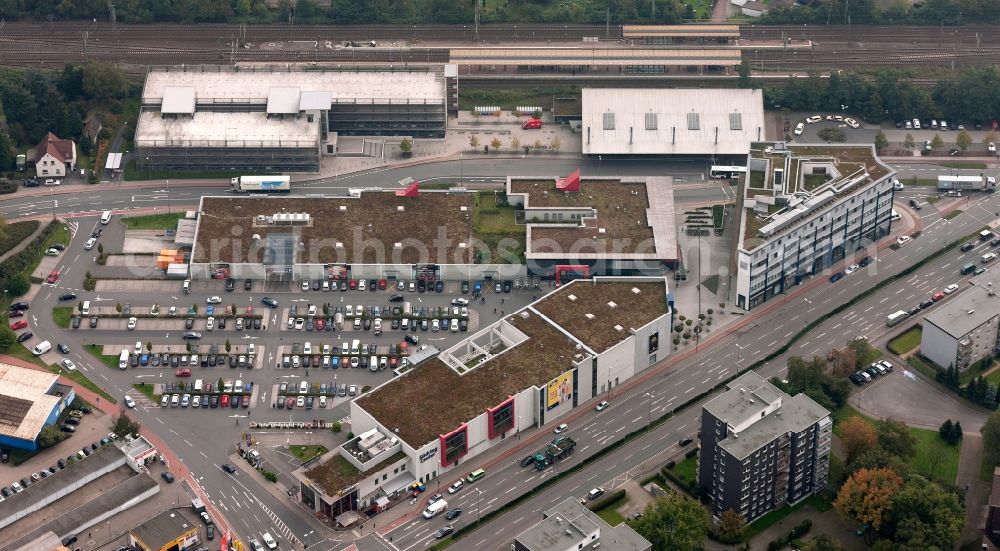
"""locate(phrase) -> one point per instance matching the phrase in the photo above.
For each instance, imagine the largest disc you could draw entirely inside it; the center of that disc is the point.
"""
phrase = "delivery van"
(123, 360)
(106, 217)
(436, 508)
(42, 348)
(86, 308)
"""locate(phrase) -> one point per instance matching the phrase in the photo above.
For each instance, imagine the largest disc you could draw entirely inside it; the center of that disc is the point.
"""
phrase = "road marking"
(774, 342)
(637, 419)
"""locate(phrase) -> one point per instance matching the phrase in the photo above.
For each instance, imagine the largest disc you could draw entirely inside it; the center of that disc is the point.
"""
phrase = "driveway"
(907, 396)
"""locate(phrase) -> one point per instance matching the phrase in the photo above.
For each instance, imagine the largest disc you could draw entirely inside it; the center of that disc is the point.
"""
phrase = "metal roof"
(283, 100)
(695, 121)
(964, 312)
(315, 100)
(612, 57)
(712, 31)
(25, 405)
(178, 100)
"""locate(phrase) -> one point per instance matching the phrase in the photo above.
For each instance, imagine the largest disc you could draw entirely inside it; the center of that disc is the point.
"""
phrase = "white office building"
(804, 208)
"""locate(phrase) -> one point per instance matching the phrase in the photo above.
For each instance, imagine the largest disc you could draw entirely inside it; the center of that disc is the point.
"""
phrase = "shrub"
(335, 427)
(670, 464)
(800, 530)
(270, 476)
(776, 545)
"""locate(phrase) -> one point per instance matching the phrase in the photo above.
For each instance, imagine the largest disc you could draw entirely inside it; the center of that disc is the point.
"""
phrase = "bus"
(727, 172)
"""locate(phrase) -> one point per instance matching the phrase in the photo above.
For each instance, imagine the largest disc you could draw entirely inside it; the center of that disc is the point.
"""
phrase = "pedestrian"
(502, 301)
(494, 310)
(237, 422)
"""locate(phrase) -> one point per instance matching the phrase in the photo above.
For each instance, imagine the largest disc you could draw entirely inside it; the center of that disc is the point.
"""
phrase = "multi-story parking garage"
(278, 118)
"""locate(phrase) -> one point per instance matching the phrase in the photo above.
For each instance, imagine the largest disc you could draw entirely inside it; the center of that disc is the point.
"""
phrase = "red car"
(183, 372)
(19, 324)
(290, 403)
(53, 277)
(245, 401)
(320, 324)
(404, 348)
(381, 284)
(224, 401)
(354, 284)
(532, 124)
(937, 296)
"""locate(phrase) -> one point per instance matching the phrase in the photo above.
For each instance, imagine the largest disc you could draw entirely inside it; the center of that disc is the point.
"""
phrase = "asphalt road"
(769, 329)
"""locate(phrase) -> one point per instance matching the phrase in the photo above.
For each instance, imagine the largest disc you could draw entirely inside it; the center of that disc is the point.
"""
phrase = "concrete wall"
(371, 482)
(447, 272)
(938, 346)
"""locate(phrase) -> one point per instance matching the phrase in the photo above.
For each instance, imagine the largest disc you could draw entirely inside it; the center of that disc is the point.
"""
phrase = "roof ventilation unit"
(635, 290)
(589, 316)
(400, 208)
(619, 328)
(612, 305)
(343, 208)
(571, 297)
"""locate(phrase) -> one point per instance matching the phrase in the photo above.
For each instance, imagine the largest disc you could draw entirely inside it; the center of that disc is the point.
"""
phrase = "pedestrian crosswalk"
(74, 227)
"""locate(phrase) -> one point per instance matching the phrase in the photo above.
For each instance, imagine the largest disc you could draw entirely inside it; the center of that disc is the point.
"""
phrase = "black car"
(230, 285)
(215, 401)
(268, 301)
(247, 284)
(63, 349)
(396, 298)
(232, 360)
(527, 461)
(463, 325)
(76, 322)
(189, 323)
(4, 456)
(256, 324)
(221, 322)
(175, 361)
(506, 286)
(995, 242)
(58, 247)
(210, 532)
(316, 284)
(343, 285)
(191, 336)
(373, 285)
(228, 468)
(465, 286)
(67, 296)
(926, 304)
(329, 324)
(168, 476)
(412, 339)
(443, 532)
(30, 182)
(968, 247)
(865, 261)
(97, 232)
(93, 322)
(453, 514)
(856, 379)
(134, 360)
(914, 311)
(439, 286)
(685, 441)
(421, 286)
(19, 306)
(24, 336)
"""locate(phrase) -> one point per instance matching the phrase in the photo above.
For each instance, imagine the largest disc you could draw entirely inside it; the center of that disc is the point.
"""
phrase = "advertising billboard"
(560, 390)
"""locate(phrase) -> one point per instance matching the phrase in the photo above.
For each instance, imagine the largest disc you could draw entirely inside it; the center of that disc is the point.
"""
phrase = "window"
(609, 121)
(736, 121)
(650, 121)
(693, 121)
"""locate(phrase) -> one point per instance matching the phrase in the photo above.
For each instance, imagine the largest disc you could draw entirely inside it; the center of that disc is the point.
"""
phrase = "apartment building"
(966, 327)
(801, 210)
(762, 449)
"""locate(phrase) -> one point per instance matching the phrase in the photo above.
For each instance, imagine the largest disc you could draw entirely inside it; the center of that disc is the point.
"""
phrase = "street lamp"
(479, 509)
(149, 170)
(306, 536)
(168, 196)
(649, 410)
(807, 311)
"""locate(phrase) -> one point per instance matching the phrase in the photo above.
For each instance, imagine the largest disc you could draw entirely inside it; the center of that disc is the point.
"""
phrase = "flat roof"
(967, 310)
(710, 31)
(396, 405)
(568, 522)
(671, 121)
(178, 100)
(283, 100)
(253, 84)
(850, 169)
(631, 309)
(25, 405)
(225, 129)
(430, 228)
(634, 219)
(164, 528)
(336, 473)
(597, 57)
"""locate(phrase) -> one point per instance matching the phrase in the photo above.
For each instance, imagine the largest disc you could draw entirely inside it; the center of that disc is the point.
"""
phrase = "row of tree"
(978, 390)
(971, 95)
(931, 12)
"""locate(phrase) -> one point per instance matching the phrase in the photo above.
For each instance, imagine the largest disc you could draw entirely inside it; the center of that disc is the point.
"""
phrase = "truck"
(947, 182)
(896, 317)
(560, 448)
(435, 508)
(260, 184)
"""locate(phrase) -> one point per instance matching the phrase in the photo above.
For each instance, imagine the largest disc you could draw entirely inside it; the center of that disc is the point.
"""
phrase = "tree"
(555, 144)
(858, 436)
(7, 338)
(896, 438)
(881, 142)
(926, 515)
(228, 346)
(149, 346)
(473, 141)
(8, 155)
(936, 142)
(866, 496)
(844, 362)
(100, 248)
(50, 436)
(406, 145)
(18, 285)
(515, 144)
(118, 307)
(908, 142)
(878, 458)
(823, 542)
(104, 82)
(123, 424)
(673, 522)
(537, 144)
(744, 70)
(495, 144)
(956, 432)
(731, 526)
(963, 140)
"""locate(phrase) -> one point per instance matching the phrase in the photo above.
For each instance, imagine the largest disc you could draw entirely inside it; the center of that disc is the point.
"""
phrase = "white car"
(460, 301)
(68, 364)
(602, 405)
(361, 285)
(897, 185)
(214, 300)
(561, 428)
(291, 323)
(852, 123)
(131, 323)
(814, 119)
(988, 257)
(269, 541)
(851, 269)
(903, 240)
(129, 402)
(991, 147)
(90, 244)
(256, 545)
(455, 487)
(305, 284)
(799, 128)
(951, 289)
(300, 323)
(209, 324)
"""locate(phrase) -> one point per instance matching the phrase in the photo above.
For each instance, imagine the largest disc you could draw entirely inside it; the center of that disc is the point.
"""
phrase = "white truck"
(260, 184)
(436, 508)
(896, 317)
(948, 182)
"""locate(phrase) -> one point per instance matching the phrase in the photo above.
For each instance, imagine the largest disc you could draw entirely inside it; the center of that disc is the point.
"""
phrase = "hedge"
(10, 268)
(608, 499)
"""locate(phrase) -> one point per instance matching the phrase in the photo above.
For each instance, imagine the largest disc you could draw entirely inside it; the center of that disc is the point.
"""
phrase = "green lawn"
(963, 164)
(83, 381)
(819, 503)
(95, 351)
(687, 470)
(59, 235)
(986, 469)
(62, 315)
(906, 342)
(934, 457)
(610, 512)
(509, 98)
(994, 377)
(163, 221)
(952, 214)
(923, 367)
(148, 391)
(305, 453)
